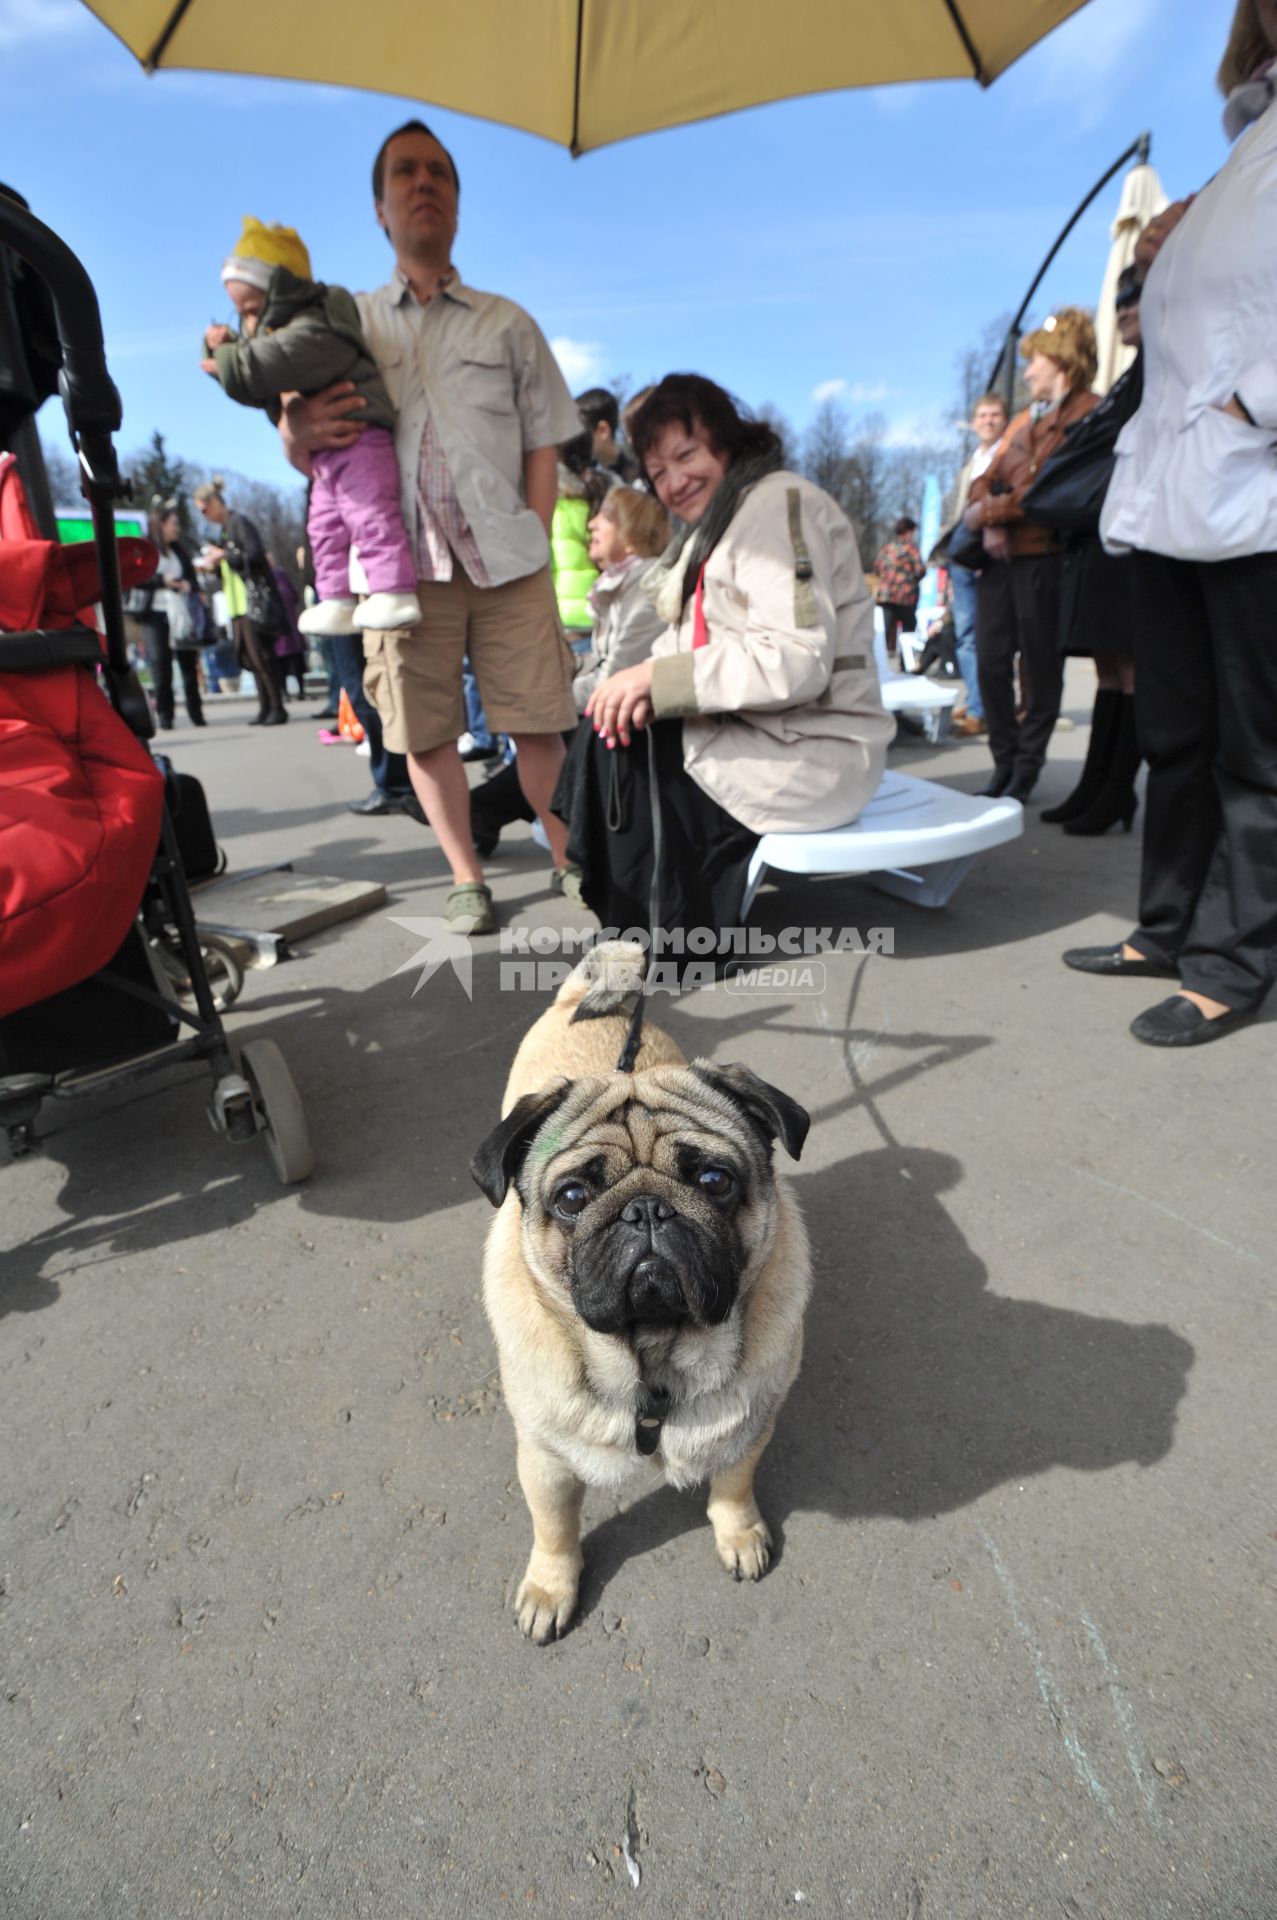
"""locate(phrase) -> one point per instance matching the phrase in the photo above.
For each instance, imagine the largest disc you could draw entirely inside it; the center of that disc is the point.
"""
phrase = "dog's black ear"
(772, 1112)
(497, 1163)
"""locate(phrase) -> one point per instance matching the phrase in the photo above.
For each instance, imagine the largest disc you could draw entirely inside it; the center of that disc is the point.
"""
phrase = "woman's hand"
(216, 336)
(996, 542)
(1158, 232)
(215, 555)
(326, 420)
(620, 703)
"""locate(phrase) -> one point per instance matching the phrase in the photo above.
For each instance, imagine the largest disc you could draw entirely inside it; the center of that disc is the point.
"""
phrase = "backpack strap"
(805, 610)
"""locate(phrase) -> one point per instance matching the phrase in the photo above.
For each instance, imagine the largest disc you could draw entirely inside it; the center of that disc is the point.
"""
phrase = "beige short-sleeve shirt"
(480, 369)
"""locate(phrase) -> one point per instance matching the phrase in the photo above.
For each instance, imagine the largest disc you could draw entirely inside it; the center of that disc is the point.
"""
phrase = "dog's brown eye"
(571, 1198)
(717, 1182)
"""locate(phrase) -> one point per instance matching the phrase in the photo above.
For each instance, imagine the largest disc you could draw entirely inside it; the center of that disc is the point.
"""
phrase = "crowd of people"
(667, 638)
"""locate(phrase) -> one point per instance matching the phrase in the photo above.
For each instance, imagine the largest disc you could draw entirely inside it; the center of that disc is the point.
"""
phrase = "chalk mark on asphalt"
(1179, 1219)
(1052, 1699)
(1123, 1714)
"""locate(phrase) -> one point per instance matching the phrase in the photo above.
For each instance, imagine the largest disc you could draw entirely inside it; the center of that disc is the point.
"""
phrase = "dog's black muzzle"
(652, 1266)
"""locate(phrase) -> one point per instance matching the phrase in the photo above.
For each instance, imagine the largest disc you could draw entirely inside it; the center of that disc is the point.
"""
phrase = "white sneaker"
(382, 612)
(329, 616)
(364, 750)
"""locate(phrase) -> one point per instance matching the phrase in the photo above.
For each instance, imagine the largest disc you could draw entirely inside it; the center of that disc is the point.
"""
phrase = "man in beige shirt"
(481, 407)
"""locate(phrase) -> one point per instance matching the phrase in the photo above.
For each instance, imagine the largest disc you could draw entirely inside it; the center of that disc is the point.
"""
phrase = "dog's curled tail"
(600, 983)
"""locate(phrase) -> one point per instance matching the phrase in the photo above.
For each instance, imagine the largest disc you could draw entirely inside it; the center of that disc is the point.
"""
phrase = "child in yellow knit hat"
(299, 336)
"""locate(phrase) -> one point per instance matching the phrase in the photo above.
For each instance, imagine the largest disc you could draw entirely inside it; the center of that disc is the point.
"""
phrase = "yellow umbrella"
(1142, 197)
(584, 73)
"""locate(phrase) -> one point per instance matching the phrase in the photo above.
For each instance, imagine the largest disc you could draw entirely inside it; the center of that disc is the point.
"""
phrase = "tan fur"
(572, 1392)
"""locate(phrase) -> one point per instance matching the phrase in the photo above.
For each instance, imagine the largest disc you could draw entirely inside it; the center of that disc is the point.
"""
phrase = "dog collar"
(653, 1407)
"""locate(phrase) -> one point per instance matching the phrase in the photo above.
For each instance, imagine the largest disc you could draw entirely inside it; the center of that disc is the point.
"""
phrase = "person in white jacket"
(1194, 499)
(761, 698)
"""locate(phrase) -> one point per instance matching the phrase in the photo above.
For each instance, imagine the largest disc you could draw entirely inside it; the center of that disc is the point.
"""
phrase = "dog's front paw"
(546, 1599)
(746, 1552)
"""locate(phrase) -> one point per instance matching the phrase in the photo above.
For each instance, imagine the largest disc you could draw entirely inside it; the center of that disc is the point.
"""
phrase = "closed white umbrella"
(1142, 197)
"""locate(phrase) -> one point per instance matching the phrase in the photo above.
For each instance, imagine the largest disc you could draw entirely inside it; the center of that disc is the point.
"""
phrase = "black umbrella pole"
(1004, 370)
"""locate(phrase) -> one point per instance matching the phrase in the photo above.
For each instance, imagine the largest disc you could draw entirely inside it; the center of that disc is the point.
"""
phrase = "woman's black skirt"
(605, 798)
(1097, 600)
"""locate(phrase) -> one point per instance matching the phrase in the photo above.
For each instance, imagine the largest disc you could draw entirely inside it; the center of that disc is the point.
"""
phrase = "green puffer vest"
(570, 565)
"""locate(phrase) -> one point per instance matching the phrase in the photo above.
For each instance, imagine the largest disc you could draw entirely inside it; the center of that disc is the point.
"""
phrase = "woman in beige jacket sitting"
(759, 710)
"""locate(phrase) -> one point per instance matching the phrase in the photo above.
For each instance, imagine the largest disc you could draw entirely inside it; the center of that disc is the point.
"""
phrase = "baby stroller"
(89, 861)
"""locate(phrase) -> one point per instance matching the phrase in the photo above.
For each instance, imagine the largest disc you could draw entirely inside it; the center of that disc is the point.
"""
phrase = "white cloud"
(581, 360)
(1087, 59)
(861, 393)
(28, 23)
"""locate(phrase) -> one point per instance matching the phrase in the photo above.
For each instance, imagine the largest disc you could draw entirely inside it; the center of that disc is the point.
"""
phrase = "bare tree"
(64, 476)
(826, 451)
(983, 367)
(784, 431)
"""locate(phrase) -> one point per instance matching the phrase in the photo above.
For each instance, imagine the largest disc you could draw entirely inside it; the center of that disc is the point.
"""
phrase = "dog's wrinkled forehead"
(635, 1113)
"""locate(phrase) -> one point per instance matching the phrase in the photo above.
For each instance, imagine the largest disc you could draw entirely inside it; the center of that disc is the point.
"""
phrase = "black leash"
(634, 1037)
(654, 1402)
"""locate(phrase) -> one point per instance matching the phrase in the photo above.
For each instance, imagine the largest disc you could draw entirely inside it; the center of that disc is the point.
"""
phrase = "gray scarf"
(1247, 102)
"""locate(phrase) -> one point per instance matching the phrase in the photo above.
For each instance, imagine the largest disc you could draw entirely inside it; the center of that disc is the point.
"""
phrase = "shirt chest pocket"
(485, 384)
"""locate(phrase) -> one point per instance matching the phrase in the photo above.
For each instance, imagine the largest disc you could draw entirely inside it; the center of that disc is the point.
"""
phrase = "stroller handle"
(88, 391)
(89, 396)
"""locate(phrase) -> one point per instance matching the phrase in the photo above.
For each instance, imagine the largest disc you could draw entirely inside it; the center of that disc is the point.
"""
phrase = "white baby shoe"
(329, 616)
(384, 611)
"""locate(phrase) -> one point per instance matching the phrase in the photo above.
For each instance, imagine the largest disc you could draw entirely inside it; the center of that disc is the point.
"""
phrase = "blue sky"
(861, 238)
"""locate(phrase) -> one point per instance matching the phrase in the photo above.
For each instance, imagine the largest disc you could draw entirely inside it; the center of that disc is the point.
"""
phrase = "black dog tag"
(653, 1407)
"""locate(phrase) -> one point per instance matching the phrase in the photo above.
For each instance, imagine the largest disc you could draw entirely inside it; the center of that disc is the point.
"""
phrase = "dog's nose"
(655, 1293)
(647, 1210)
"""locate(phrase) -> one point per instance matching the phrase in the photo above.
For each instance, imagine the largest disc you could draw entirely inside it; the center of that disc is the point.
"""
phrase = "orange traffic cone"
(347, 724)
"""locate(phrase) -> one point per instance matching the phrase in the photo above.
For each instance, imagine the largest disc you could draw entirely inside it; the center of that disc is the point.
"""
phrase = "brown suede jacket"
(1026, 447)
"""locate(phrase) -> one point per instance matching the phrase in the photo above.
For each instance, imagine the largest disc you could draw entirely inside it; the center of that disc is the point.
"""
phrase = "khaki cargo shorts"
(516, 646)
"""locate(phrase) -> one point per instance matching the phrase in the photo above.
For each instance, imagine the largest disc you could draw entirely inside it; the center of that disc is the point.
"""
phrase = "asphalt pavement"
(259, 1525)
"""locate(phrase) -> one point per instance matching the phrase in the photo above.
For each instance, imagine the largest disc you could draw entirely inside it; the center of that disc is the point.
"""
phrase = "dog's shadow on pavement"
(920, 1388)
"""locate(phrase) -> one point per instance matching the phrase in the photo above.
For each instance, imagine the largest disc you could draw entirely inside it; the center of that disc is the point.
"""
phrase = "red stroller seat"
(80, 798)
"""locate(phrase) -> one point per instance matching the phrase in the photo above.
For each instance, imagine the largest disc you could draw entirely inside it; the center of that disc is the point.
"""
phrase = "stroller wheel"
(280, 1116)
(225, 975)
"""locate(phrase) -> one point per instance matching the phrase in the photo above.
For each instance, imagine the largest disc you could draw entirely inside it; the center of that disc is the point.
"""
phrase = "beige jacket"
(784, 724)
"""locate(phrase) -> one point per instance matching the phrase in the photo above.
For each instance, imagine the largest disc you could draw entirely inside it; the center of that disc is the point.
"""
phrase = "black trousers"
(996, 646)
(1020, 613)
(1206, 710)
(606, 799)
(159, 651)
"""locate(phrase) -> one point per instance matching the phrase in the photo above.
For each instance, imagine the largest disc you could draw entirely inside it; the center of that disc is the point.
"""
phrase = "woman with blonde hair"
(1061, 358)
(1194, 501)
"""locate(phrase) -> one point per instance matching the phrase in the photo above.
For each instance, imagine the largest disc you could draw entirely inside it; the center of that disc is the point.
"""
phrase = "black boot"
(1104, 718)
(1115, 799)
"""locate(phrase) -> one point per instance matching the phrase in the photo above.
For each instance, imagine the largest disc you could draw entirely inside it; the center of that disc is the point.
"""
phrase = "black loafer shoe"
(1178, 1023)
(472, 754)
(408, 803)
(374, 802)
(1112, 960)
(995, 788)
(1020, 790)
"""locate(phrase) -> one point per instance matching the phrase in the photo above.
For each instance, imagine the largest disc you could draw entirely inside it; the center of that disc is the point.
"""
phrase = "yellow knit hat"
(260, 249)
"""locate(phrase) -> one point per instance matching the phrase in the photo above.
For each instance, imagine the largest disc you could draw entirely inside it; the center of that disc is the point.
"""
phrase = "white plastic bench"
(909, 824)
(910, 693)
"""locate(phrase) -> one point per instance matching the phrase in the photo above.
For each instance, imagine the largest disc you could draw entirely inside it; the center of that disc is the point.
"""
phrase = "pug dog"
(646, 1275)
